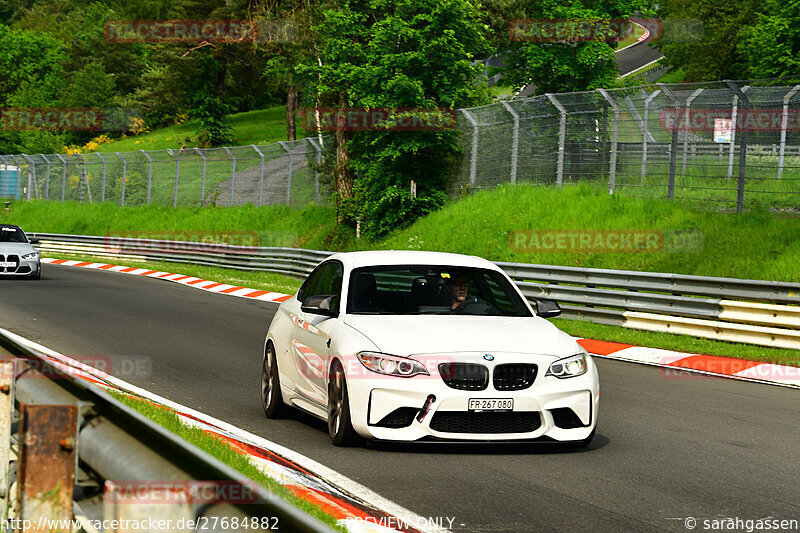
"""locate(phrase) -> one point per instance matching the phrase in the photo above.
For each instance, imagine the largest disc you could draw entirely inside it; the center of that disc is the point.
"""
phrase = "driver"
(458, 287)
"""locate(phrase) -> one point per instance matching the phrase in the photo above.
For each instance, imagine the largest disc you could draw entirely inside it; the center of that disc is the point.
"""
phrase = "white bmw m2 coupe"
(413, 346)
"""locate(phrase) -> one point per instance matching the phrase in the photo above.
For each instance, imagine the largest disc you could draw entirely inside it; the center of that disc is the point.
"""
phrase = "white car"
(17, 257)
(411, 346)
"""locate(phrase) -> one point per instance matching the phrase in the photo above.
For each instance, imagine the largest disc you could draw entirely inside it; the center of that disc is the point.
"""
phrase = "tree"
(394, 54)
(771, 48)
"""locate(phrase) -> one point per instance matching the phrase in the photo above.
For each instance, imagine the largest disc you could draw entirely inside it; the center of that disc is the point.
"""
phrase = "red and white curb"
(728, 367)
(189, 281)
(357, 508)
(676, 364)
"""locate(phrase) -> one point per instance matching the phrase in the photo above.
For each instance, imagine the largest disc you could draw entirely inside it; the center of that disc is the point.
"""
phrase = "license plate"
(491, 404)
(8, 264)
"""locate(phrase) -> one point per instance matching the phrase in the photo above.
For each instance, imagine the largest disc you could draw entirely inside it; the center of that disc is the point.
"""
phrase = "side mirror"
(34, 240)
(320, 305)
(547, 308)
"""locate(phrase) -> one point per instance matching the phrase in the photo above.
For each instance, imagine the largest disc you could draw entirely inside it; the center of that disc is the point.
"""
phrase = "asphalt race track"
(667, 448)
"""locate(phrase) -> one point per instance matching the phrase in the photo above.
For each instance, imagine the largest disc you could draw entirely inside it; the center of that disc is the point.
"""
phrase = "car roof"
(411, 257)
(10, 226)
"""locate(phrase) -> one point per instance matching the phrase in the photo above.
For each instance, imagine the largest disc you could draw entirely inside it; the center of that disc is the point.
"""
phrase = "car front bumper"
(18, 266)
(391, 409)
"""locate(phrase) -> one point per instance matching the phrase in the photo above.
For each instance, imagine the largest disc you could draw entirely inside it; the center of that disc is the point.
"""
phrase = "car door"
(312, 333)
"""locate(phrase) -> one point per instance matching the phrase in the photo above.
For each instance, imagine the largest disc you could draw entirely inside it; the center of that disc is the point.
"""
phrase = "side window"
(326, 281)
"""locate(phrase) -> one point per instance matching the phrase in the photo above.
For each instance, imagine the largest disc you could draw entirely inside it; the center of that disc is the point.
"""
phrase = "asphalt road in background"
(637, 56)
(667, 449)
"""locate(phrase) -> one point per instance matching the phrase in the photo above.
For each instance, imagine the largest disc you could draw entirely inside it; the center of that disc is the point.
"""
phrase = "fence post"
(673, 147)
(742, 148)
(233, 173)
(289, 175)
(646, 130)
(149, 174)
(124, 177)
(473, 156)
(612, 166)
(734, 118)
(31, 176)
(6, 412)
(47, 178)
(177, 172)
(562, 138)
(83, 180)
(203, 179)
(318, 150)
(686, 122)
(261, 177)
(784, 123)
(103, 186)
(63, 174)
(514, 141)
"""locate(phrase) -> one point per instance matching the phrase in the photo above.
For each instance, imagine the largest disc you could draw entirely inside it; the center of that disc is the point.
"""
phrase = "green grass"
(679, 343)
(252, 127)
(638, 31)
(221, 450)
(673, 76)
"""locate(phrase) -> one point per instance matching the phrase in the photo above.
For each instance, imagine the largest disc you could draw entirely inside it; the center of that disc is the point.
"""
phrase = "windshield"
(439, 290)
(11, 234)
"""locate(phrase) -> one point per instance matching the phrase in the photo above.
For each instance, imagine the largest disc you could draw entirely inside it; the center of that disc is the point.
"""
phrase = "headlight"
(32, 255)
(569, 367)
(391, 365)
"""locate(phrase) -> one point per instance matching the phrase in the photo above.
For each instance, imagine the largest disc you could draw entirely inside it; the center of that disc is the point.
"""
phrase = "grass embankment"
(253, 127)
(754, 245)
(222, 451)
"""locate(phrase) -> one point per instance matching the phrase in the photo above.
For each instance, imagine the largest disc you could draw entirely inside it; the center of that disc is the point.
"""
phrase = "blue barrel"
(9, 182)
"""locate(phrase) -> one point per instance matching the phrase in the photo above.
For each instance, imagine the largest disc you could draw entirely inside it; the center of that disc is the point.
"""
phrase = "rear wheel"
(271, 399)
(340, 427)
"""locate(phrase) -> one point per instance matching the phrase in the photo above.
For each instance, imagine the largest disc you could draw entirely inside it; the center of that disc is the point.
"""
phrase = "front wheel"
(271, 399)
(340, 427)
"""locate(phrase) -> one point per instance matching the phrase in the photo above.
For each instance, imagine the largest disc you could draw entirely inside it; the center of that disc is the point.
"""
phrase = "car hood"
(16, 248)
(434, 334)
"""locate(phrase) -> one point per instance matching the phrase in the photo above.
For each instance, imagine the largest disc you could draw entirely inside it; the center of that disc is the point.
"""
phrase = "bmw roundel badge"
(489, 357)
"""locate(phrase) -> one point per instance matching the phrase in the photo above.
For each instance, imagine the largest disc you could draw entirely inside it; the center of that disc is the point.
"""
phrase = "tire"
(340, 427)
(271, 398)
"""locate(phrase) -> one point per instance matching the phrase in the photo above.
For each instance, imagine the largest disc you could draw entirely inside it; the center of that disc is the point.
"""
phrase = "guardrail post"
(742, 148)
(261, 175)
(203, 179)
(289, 173)
(734, 118)
(31, 176)
(318, 149)
(46, 475)
(124, 177)
(686, 127)
(149, 174)
(562, 138)
(514, 141)
(473, 156)
(233, 173)
(103, 185)
(63, 175)
(177, 172)
(784, 123)
(673, 147)
(612, 166)
(646, 130)
(6, 413)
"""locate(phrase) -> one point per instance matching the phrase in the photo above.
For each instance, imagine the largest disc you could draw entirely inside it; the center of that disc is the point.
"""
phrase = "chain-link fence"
(734, 143)
(279, 173)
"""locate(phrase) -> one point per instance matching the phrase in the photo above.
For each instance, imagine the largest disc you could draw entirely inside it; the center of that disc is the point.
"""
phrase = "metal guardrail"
(597, 295)
(85, 437)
